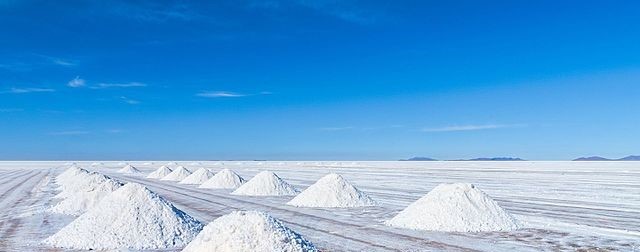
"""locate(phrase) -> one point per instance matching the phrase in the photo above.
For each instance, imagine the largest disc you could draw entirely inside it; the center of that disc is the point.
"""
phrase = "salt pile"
(171, 163)
(455, 207)
(78, 200)
(129, 169)
(248, 231)
(132, 217)
(332, 191)
(160, 172)
(225, 179)
(97, 164)
(178, 174)
(266, 183)
(198, 177)
(69, 174)
(78, 181)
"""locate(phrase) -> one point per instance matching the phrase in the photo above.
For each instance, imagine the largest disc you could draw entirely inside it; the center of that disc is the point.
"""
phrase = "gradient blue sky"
(366, 80)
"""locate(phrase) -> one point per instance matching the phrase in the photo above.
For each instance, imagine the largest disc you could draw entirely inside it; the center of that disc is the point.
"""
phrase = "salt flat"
(562, 206)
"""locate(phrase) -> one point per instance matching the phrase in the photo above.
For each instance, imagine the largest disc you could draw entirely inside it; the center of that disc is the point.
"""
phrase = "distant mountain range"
(473, 159)
(597, 158)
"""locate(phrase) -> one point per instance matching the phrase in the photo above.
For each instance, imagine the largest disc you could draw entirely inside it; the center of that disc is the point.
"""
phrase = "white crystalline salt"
(224, 179)
(177, 174)
(332, 191)
(266, 183)
(197, 177)
(79, 200)
(455, 208)
(160, 172)
(248, 231)
(129, 169)
(131, 217)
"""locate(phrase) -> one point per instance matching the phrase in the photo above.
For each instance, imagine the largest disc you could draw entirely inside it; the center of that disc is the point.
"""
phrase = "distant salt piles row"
(330, 191)
(132, 217)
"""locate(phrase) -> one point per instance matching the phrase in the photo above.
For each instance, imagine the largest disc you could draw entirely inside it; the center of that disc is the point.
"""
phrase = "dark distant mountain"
(593, 158)
(419, 159)
(493, 159)
(596, 158)
(630, 158)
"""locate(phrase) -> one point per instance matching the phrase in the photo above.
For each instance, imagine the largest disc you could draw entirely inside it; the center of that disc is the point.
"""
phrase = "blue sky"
(364, 80)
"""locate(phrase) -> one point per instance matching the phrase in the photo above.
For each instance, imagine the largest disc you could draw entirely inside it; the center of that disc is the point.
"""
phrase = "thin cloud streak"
(472, 127)
(70, 133)
(227, 94)
(118, 85)
(337, 128)
(27, 90)
(76, 82)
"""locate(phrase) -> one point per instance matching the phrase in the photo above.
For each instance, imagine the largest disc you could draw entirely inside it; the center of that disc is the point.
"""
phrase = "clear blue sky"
(366, 80)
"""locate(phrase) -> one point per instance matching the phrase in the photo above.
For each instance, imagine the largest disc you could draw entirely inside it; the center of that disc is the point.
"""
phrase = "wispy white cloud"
(155, 12)
(228, 94)
(114, 131)
(128, 100)
(118, 85)
(70, 133)
(337, 128)
(26, 90)
(9, 110)
(76, 82)
(472, 127)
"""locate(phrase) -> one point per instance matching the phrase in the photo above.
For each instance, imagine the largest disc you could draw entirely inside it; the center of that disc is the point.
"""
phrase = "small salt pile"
(248, 231)
(131, 217)
(160, 173)
(177, 174)
(198, 177)
(69, 174)
(455, 207)
(332, 191)
(129, 169)
(225, 179)
(266, 183)
(78, 182)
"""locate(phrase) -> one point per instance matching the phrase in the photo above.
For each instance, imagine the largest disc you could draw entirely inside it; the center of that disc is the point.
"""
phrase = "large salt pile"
(85, 195)
(131, 217)
(248, 231)
(266, 183)
(332, 191)
(225, 179)
(197, 177)
(160, 172)
(455, 207)
(129, 169)
(177, 174)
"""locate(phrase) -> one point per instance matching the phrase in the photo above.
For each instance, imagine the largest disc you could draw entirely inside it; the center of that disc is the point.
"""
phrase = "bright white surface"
(561, 205)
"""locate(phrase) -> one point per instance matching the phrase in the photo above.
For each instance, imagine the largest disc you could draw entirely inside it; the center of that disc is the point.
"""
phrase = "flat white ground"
(564, 206)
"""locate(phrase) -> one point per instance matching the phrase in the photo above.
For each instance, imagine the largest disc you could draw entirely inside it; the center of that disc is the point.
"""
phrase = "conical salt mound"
(132, 217)
(129, 169)
(332, 191)
(266, 183)
(248, 231)
(177, 174)
(80, 181)
(198, 177)
(160, 173)
(68, 175)
(82, 199)
(455, 208)
(225, 179)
